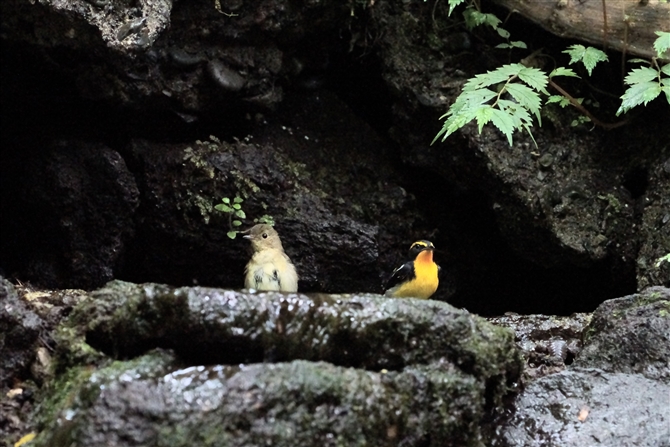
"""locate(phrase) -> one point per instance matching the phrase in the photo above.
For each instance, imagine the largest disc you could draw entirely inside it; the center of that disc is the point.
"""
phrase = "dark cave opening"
(486, 276)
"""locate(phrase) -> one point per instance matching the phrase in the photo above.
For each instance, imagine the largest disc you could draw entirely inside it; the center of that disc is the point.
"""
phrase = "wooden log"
(630, 23)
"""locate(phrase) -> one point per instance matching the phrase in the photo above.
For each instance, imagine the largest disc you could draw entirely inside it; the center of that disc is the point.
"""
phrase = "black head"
(419, 246)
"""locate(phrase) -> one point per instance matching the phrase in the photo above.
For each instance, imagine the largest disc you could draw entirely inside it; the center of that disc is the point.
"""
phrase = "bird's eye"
(265, 235)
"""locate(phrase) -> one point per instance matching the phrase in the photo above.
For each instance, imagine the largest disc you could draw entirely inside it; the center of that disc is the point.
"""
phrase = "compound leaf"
(562, 71)
(453, 4)
(638, 94)
(662, 44)
(534, 77)
(589, 56)
(639, 75)
(526, 97)
(504, 122)
(483, 116)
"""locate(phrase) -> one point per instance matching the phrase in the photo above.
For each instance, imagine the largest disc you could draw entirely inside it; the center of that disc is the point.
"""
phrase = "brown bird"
(269, 268)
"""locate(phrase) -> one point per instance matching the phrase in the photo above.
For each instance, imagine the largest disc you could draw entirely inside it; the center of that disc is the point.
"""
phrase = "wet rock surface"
(549, 343)
(288, 369)
(325, 352)
(616, 390)
(216, 326)
(28, 318)
(20, 328)
(147, 400)
(631, 335)
(591, 407)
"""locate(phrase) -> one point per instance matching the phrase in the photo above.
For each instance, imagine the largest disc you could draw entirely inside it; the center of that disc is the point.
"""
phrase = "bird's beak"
(246, 236)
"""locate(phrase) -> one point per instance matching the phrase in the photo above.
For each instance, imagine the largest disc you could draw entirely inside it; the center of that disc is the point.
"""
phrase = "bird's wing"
(400, 275)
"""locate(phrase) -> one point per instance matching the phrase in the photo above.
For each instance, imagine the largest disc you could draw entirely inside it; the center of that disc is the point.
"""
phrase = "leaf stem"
(504, 89)
(584, 111)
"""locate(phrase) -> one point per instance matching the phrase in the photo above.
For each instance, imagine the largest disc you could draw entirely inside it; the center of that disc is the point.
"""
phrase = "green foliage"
(661, 260)
(232, 209)
(508, 106)
(453, 4)
(589, 56)
(581, 119)
(647, 83)
(562, 71)
(662, 44)
(474, 18)
(509, 96)
(561, 100)
(513, 44)
(265, 219)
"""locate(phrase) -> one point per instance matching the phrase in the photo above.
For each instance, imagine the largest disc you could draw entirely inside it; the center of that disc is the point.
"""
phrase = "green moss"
(60, 394)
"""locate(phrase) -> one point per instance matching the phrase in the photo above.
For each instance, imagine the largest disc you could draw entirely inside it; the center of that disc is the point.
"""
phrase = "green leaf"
(637, 61)
(666, 90)
(638, 94)
(638, 75)
(661, 260)
(224, 208)
(519, 115)
(580, 120)
(576, 52)
(589, 56)
(562, 100)
(555, 98)
(526, 97)
(241, 214)
(266, 219)
(534, 77)
(483, 115)
(238, 199)
(237, 206)
(562, 71)
(236, 223)
(513, 44)
(507, 115)
(666, 69)
(231, 234)
(453, 4)
(500, 74)
(475, 18)
(504, 122)
(503, 33)
(456, 121)
(226, 200)
(662, 44)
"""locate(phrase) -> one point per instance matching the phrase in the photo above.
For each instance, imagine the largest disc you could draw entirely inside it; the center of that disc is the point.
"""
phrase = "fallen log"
(627, 26)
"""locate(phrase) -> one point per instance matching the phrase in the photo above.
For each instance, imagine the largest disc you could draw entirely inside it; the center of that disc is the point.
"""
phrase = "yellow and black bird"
(269, 268)
(417, 278)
